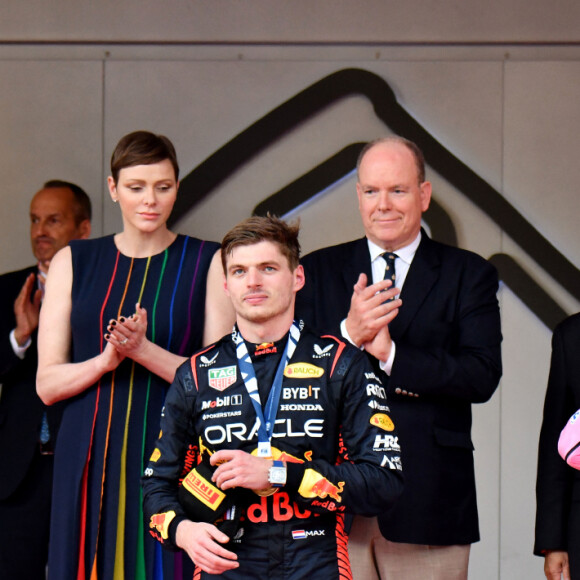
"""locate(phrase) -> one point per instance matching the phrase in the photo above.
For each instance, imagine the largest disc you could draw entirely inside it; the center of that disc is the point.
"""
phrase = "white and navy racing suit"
(333, 429)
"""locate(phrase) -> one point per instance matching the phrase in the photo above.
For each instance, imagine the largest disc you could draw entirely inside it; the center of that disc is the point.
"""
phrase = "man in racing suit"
(327, 446)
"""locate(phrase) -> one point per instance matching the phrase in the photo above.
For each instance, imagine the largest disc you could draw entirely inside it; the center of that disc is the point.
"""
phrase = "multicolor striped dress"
(108, 431)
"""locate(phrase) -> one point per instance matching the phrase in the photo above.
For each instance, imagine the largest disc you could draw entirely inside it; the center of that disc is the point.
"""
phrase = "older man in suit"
(59, 212)
(428, 316)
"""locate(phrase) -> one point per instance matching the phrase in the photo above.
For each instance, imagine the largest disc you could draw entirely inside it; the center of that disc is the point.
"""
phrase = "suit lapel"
(422, 275)
(358, 261)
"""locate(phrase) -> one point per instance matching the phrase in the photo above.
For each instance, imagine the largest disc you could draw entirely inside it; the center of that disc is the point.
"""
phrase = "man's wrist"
(275, 476)
(19, 344)
(346, 335)
(174, 528)
(387, 365)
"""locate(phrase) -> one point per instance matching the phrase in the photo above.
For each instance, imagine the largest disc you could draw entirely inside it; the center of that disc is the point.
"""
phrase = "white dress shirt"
(403, 262)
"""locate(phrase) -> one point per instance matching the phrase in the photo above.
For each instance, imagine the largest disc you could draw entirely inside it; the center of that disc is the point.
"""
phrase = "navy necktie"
(390, 258)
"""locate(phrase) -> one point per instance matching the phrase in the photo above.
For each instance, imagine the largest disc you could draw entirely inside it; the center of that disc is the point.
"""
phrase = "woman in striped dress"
(120, 314)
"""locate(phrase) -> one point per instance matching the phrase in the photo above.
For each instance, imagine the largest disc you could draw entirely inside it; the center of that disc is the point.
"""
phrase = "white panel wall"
(277, 21)
(50, 127)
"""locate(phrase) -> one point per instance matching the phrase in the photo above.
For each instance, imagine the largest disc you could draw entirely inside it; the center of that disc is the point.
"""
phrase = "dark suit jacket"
(558, 485)
(448, 356)
(20, 408)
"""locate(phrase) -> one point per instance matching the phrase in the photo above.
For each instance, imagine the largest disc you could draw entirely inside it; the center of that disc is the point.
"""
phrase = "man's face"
(260, 283)
(391, 199)
(52, 223)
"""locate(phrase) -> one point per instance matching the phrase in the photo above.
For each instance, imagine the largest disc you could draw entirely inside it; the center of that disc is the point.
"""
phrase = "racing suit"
(333, 429)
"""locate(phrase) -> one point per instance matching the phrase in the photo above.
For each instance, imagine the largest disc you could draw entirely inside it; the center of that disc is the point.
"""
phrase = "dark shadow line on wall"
(208, 175)
(528, 290)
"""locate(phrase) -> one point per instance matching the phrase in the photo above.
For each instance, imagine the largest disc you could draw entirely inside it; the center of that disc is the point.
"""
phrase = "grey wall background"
(496, 83)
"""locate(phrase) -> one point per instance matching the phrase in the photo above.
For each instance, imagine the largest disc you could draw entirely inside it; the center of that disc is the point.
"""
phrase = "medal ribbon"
(268, 417)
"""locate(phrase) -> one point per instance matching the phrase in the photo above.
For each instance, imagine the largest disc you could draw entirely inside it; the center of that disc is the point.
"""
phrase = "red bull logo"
(265, 348)
(328, 505)
(315, 484)
(323, 488)
(281, 509)
(161, 523)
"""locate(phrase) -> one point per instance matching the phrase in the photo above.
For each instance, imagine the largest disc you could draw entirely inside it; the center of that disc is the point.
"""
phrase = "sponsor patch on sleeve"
(155, 455)
(382, 421)
(313, 484)
(161, 523)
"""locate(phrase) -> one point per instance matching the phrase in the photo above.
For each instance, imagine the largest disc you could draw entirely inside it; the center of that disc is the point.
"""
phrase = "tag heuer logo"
(221, 379)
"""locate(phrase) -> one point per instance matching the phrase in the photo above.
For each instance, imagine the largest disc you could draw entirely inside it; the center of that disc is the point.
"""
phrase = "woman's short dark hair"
(142, 148)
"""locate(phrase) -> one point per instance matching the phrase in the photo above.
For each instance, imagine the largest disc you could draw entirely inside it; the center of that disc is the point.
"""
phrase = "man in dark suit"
(558, 484)
(434, 330)
(59, 212)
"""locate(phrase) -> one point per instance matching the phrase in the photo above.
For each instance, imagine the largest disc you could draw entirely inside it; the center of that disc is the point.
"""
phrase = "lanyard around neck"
(266, 417)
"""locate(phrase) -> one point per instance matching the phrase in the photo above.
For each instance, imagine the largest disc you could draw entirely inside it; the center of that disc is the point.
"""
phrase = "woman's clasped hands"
(128, 334)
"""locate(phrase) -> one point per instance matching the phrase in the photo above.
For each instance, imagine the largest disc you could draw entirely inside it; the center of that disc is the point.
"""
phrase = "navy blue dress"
(109, 430)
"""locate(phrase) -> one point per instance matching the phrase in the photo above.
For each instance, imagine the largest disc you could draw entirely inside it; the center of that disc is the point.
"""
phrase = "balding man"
(428, 315)
(59, 212)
